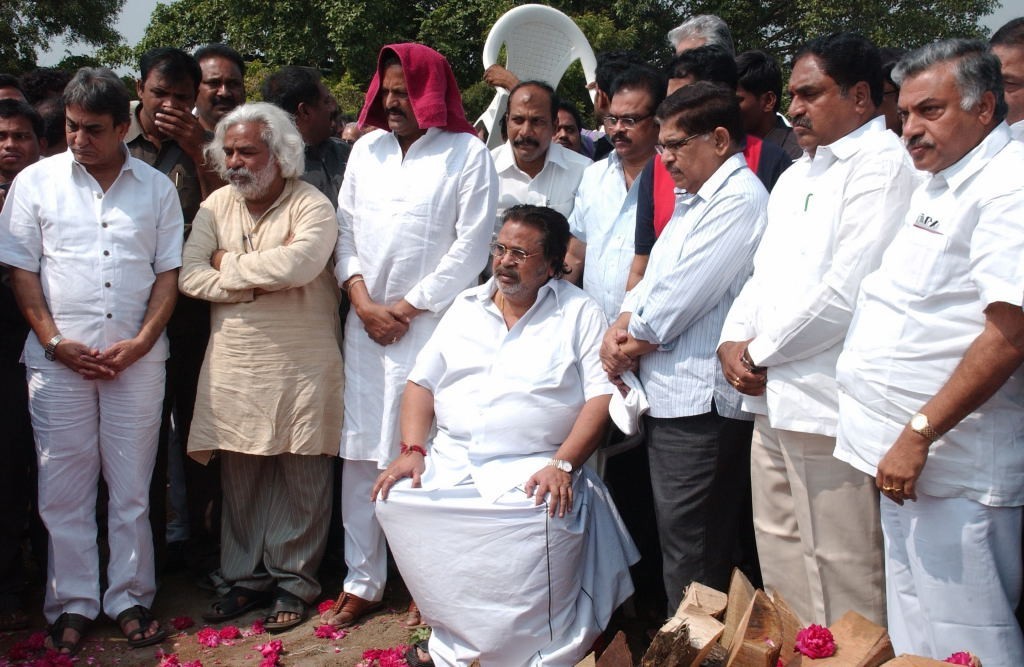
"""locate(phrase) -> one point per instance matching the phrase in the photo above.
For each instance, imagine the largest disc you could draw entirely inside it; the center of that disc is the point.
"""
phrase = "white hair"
(279, 133)
(707, 26)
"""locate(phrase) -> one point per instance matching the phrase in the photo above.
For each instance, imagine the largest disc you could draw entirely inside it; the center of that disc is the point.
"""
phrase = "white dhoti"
(504, 583)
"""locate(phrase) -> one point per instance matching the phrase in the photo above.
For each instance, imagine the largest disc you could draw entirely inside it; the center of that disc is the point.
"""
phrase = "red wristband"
(408, 449)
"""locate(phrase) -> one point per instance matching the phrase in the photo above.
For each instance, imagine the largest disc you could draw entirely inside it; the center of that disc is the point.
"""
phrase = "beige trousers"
(816, 520)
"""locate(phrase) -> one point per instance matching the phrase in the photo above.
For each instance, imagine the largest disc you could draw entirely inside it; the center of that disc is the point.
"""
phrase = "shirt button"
(109, 315)
(99, 195)
(106, 253)
(106, 284)
(104, 225)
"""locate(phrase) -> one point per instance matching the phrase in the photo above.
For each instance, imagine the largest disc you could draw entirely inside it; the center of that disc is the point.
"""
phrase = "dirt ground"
(179, 597)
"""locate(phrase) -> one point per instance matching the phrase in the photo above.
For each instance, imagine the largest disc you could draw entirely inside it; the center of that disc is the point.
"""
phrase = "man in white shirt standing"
(930, 394)
(603, 220)
(93, 238)
(830, 217)
(698, 438)
(533, 169)
(416, 214)
(1008, 45)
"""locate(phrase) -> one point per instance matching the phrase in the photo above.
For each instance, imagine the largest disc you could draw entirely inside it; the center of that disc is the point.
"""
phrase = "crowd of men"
(822, 312)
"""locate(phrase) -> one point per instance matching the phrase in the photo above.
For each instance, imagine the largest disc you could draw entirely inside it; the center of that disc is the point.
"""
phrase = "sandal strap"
(138, 613)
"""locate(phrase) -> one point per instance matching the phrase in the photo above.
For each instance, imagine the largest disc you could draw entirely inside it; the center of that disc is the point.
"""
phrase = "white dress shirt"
(540, 373)
(696, 269)
(604, 217)
(97, 253)
(1017, 130)
(416, 228)
(959, 250)
(554, 186)
(830, 218)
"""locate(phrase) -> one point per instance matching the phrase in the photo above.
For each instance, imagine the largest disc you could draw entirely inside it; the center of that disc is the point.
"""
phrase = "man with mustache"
(830, 216)
(930, 389)
(93, 239)
(416, 213)
(697, 437)
(1008, 45)
(603, 219)
(568, 130)
(268, 398)
(532, 169)
(222, 86)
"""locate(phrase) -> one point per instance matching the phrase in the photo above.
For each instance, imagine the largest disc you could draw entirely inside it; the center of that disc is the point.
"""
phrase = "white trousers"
(816, 524)
(953, 578)
(366, 554)
(84, 428)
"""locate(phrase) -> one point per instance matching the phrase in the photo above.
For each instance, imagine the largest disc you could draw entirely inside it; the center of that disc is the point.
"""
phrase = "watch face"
(918, 422)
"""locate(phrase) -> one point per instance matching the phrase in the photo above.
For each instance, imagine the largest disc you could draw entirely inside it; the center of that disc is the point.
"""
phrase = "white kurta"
(497, 578)
(416, 229)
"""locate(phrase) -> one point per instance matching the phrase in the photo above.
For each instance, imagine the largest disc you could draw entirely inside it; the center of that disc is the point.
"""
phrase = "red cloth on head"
(430, 82)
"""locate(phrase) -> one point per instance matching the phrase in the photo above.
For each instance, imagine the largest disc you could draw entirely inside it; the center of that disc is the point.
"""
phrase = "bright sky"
(135, 17)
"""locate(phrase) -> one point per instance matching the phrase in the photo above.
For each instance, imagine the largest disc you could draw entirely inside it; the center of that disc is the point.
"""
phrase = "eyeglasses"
(677, 145)
(628, 122)
(519, 255)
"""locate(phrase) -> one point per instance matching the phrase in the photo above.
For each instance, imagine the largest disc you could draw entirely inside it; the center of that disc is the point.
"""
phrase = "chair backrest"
(540, 44)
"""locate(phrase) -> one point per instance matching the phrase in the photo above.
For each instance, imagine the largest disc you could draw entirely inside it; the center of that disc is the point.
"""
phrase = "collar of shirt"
(963, 169)
(714, 182)
(485, 293)
(848, 145)
(126, 166)
(505, 158)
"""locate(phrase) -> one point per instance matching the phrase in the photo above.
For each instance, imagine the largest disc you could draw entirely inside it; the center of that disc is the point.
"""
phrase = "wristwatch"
(561, 464)
(919, 424)
(51, 347)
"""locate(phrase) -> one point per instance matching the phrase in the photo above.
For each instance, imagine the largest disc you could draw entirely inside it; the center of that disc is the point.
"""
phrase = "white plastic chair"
(540, 44)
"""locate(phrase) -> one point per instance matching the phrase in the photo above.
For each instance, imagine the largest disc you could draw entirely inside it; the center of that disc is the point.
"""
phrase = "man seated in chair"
(497, 535)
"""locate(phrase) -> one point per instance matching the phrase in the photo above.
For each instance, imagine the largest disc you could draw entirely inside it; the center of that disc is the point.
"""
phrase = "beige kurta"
(272, 379)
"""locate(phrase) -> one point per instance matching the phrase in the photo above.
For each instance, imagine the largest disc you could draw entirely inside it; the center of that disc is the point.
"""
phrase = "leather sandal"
(412, 656)
(286, 603)
(348, 609)
(137, 638)
(68, 621)
(237, 602)
(412, 616)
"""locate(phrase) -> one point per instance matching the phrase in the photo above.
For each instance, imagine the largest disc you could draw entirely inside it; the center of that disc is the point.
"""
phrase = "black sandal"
(412, 656)
(287, 603)
(137, 638)
(232, 606)
(68, 621)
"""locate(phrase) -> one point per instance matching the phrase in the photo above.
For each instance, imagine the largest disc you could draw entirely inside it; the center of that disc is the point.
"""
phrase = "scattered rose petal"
(963, 658)
(815, 641)
(208, 637)
(257, 627)
(229, 632)
(182, 622)
(325, 606)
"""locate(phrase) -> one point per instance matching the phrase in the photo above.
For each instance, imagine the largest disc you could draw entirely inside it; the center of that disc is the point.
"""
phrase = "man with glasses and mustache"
(830, 216)
(697, 439)
(222, 87)
(507, 539)
(603, 220)
(532, 168)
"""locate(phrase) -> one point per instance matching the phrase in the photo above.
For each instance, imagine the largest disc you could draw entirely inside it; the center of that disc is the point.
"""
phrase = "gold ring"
(395, 339)
(391, 477)
(888, 488)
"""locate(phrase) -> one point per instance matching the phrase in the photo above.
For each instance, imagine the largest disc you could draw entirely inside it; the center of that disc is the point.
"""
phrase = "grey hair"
(976, 70)
(98, 90)
(279, 133)
(712, 28)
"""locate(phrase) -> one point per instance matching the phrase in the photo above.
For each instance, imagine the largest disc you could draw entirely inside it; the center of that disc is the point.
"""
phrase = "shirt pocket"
(916, 259)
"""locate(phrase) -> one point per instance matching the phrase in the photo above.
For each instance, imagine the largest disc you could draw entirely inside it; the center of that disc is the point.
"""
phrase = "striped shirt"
(696, 269)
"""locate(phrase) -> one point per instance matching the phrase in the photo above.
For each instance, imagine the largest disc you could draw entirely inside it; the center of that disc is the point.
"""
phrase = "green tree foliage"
(27, 26)
(342, 37)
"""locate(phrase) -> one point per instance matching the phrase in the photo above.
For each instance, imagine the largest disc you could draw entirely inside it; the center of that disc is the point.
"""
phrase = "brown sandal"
(348, 609)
